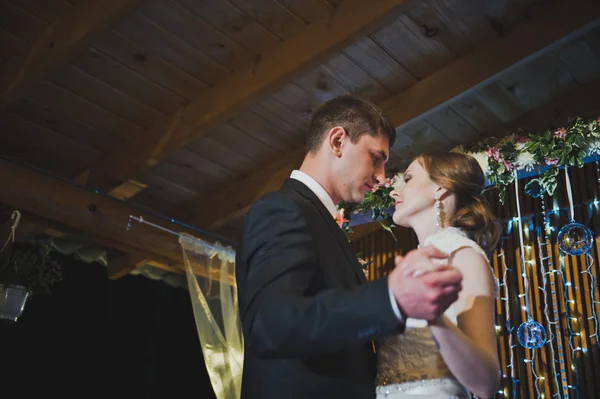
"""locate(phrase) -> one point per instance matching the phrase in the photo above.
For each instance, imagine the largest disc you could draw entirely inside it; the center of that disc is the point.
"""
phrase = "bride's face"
(415, 196)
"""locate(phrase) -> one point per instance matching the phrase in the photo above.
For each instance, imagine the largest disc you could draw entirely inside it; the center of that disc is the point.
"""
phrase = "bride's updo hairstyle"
(463, 177)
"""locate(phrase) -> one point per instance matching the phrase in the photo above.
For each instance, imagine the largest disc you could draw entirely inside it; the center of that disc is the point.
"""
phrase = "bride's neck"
(425, 227)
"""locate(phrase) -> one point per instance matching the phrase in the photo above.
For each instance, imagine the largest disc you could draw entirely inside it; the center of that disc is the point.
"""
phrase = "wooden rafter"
(483, 64)
(234, 201)
(319, 40)
(91, 217)
(59, 42)
(122, 264)
(581, 101)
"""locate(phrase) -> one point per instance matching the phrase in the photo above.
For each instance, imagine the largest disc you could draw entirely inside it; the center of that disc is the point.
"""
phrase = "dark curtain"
(98, 338)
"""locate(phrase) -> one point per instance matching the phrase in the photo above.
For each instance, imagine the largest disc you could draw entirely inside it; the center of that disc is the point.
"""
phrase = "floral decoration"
(547, 151)
(378, 201)
(499, 158)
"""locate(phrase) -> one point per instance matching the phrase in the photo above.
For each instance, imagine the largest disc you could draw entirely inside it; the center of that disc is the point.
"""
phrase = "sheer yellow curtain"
(214, 301)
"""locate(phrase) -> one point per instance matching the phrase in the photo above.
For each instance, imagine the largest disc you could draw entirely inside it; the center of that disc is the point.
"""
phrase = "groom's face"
(362, 166)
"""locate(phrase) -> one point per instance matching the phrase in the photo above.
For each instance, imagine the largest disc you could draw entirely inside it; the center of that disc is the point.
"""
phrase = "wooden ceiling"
(192, 109)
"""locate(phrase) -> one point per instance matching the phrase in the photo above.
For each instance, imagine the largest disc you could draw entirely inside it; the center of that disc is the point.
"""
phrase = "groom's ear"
(336, 138)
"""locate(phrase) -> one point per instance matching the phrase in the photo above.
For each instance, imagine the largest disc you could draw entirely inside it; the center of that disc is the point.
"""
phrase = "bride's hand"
(425, 297)
(421, 267)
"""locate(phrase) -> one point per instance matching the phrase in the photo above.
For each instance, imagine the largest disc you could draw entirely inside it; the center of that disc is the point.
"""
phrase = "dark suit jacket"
(308, 315)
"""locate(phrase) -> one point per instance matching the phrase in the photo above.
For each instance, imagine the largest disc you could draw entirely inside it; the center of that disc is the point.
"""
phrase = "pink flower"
(560, 133)
(339, 219)
(598, 120)
(494, 153)
(508, 165)
(375, 187)
(551, 161)
(521, 139)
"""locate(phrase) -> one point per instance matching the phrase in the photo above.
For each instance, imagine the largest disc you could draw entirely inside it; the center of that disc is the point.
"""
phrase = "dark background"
(98, 338)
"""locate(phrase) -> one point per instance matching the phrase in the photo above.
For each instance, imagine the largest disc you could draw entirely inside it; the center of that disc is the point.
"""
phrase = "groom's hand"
(424, 289)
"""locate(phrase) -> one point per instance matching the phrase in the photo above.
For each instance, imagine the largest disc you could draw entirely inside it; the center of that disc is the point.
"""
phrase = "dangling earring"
(438, 211)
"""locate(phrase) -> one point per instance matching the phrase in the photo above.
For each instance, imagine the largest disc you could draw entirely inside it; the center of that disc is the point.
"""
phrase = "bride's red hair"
(462, 176)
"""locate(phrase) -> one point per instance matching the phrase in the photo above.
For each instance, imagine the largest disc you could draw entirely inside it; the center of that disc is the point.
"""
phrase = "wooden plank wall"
(576, 292)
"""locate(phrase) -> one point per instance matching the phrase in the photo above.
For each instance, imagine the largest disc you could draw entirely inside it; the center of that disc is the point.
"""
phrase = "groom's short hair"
(356, 115)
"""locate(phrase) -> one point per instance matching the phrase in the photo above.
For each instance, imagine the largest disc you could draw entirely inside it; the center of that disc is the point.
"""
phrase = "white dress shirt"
(325, 198)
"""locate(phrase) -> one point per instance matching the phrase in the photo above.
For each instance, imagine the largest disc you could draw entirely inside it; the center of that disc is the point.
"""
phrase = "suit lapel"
(332, 225)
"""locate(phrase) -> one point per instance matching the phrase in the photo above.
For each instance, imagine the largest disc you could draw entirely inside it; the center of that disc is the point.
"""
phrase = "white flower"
(594, 148)
(593, 131)
(397, 180)
(483, 160)
(525, 160)
(520, 146)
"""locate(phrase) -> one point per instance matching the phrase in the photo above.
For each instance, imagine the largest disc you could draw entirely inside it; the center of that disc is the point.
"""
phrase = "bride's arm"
(470, 349)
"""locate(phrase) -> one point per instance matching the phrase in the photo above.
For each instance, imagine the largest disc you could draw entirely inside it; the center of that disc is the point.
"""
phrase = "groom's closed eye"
(377, 159)
(379, 156)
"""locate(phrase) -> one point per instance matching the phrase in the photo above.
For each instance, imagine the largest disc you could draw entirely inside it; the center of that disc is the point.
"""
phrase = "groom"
(308, 315)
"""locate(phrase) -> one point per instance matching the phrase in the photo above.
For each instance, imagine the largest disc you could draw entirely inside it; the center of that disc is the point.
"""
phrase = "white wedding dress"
(410, 365)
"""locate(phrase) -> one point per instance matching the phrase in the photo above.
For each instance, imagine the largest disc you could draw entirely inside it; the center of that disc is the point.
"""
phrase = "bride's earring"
(438, 211)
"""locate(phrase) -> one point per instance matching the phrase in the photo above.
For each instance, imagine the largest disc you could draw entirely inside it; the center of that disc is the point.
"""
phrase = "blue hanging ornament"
(575, 239)
(531, 335)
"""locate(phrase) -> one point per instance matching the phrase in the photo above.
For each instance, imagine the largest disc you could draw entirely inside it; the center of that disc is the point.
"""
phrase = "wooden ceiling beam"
(581, 101)
(59, 42)
(235, 200)
(26, 230)
(90, 216)
(272, 69)
(554, 22)
(121, 265)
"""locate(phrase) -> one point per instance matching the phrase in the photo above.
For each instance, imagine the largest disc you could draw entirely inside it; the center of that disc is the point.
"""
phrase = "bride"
(440, 199)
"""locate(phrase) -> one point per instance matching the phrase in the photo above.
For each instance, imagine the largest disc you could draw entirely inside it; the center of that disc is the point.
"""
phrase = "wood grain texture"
(276, 66)
(59, 41)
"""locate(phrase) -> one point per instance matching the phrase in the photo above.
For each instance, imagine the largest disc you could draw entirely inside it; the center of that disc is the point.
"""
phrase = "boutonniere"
(340, 219)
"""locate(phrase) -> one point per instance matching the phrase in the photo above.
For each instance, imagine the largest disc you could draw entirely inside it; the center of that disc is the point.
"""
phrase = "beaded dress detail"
(410, 365)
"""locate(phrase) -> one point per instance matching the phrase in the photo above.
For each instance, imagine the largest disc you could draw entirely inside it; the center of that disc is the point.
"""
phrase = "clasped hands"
(423, 284)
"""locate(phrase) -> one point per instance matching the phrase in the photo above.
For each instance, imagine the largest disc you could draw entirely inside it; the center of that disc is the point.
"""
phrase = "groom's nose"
(379, 175)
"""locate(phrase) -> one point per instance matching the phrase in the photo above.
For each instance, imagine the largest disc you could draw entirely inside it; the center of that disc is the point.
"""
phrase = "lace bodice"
(414, 355)
(451, 239)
